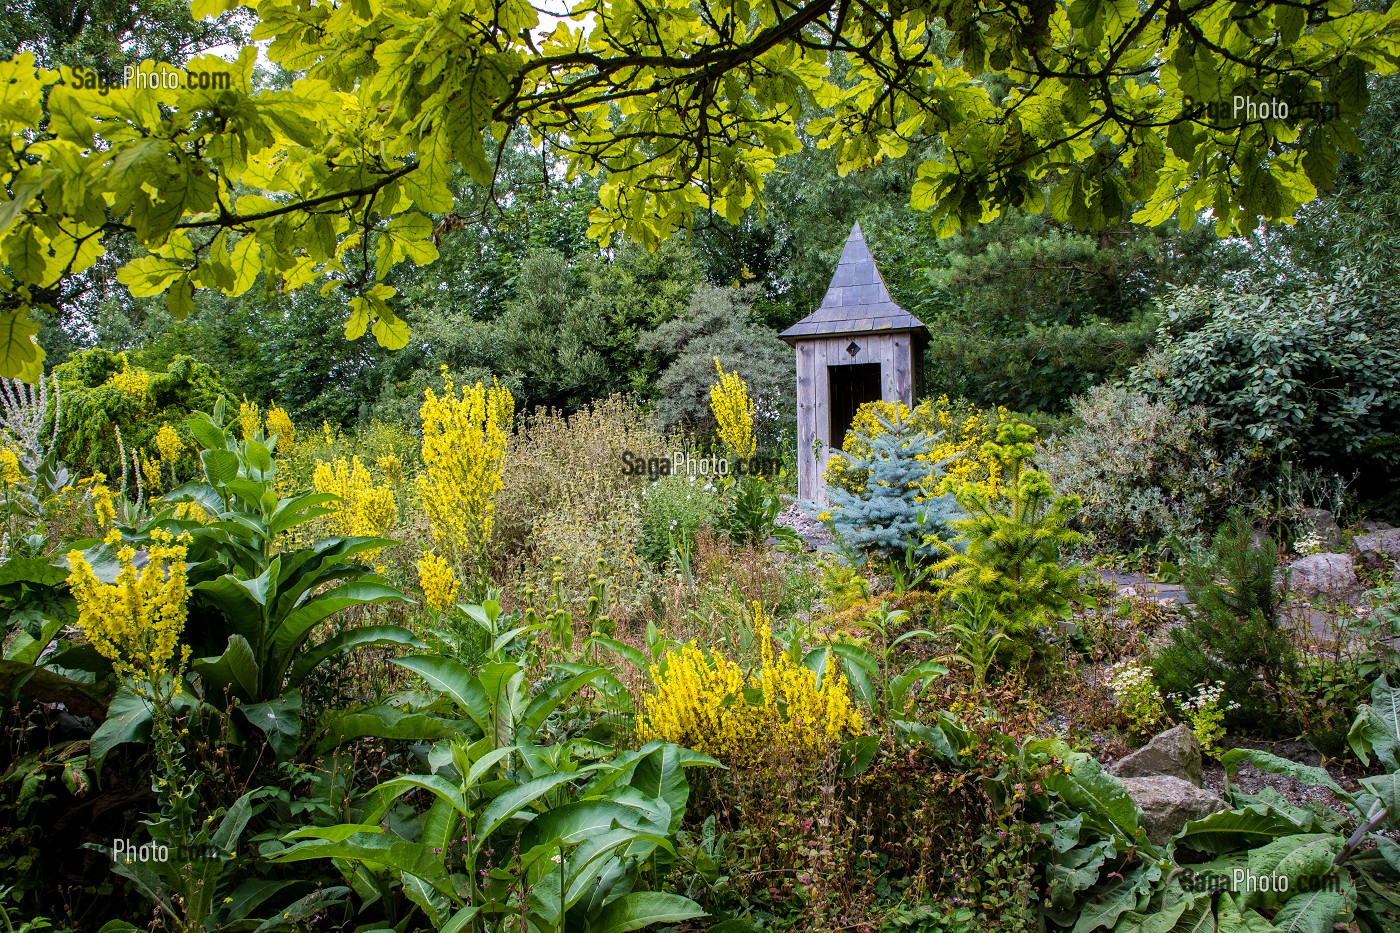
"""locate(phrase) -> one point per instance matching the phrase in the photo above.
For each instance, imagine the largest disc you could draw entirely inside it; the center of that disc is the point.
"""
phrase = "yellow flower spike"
(364, 508)
(699, 702)
(103, 503)
(734, 411)
(168, 443)
(136, 621)
(464, 446)
(438, 582)
(278, 422)
(249, 418)
(9, 467)
(391, 466)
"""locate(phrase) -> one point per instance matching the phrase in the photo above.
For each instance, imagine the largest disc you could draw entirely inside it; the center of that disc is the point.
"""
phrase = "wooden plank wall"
(891, 351)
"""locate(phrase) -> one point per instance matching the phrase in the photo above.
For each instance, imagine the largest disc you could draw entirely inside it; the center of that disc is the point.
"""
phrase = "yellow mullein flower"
(150, 471)
(699, 702)
(103, 503)
(135, 621)
(438, 581)
(10, 473)
(364, 508)
(464, 446)
(280, 423)
(249, 418)
(733, 410)
(391, 465)
(168, 443)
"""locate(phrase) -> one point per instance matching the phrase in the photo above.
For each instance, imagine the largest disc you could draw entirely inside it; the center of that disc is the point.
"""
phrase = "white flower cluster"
(1308, 544)
(1208, 696)
(1125, 676)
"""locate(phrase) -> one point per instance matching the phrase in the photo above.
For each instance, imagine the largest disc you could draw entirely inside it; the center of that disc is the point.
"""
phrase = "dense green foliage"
(718, 325)
(1145, 471)
(1009, 553)
(343, 730)
(1312, 376)
(110, 405)
(1235, 631)
(1071, 132)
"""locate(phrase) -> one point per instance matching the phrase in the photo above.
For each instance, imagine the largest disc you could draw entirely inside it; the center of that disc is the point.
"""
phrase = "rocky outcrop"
(1323, 574)
(1169, 803)
(1174, 753)
(1377, 550)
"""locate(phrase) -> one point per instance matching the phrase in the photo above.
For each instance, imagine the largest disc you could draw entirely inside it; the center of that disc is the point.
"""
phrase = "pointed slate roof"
(856, 302)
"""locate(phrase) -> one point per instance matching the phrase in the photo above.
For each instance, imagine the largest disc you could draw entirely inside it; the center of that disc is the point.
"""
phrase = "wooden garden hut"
(857, 347)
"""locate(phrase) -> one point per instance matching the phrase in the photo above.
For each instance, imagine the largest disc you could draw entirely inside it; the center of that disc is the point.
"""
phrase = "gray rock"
(1175, 753)
(1324, 526)
(1169, 803)
(1378, 549)
(1329, 574)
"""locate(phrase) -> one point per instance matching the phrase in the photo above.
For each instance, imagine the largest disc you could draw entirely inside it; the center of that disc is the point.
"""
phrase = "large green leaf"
(231, 598)
(367, 636)
(1162, 919)
(452, 678)
(1102, 799)
(279, 720)
(1311, 912)
(1104, 909)
(383, 722)
(35, 570)
(236, 819)
(1376, 730)
(516, 801)
(128, 720)
(576, 822)
(304, 911)
(385, 794)
(436, 907)
(48, 686)
(923, 673)
(502, 682)
(234, 672)
(295, 510)
(25, 648)
(323, 605)
(1304, 860)
(1386, 789)
(660, 772)
(375, 849)
(1273, 764)
(629, 654)
(251, 894)
(1230, 830)
(555, 694)
(641, 909)
(1234, 919)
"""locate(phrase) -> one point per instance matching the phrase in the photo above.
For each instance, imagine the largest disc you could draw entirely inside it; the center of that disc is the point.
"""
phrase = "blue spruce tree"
(892, 508)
